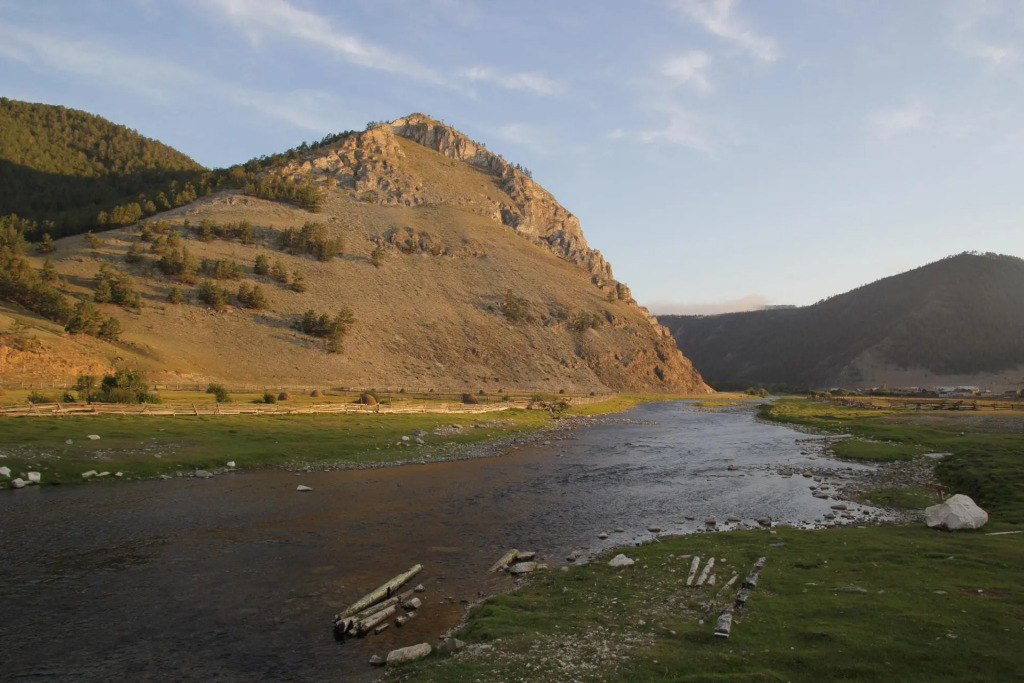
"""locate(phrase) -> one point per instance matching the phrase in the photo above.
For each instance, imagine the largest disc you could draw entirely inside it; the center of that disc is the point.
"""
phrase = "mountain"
(956, 321)
(63, 167)
(421, 261)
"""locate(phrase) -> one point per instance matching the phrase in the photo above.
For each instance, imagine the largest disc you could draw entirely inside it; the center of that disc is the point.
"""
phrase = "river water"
(236, 578)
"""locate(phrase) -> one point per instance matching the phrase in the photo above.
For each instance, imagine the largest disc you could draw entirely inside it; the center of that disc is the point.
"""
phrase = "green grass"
(901, 497)
(934, 606)
(879, 451)
(986, 460)
(132, 444)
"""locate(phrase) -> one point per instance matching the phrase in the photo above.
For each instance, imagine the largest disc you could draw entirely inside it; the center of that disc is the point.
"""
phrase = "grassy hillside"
(63, 167)
(959, 317)
(423, 291)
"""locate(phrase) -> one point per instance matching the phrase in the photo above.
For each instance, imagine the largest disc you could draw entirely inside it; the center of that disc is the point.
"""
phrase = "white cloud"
(536, 83)
(976, 25)
(259, 18)
(157, 80)
(688, 69)
(684, 128)
(262, 18)
(894, 121)
(719, 18)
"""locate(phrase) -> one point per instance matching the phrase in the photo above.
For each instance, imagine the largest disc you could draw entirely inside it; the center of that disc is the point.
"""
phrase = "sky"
(722, 154)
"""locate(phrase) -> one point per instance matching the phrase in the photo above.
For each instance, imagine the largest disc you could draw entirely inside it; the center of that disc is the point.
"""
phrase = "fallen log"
(707, 571)
(505, 560)
(693, 570)
(367, 624)
(724, 625)
(381, 592)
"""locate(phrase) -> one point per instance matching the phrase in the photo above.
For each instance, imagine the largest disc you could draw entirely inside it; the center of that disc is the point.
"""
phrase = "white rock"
(203, 474)
(18, 483)
(231, 463)
(959, 512)
(90, 473)
(602, 535)
(69, 442)
(522, 567)
(412, 604)
(94, 437)
(5, 472)
(408, 654)
(303, 487)
(405, 438)
(103, 474)
(34, 477)
(620, 560)
(118, 474)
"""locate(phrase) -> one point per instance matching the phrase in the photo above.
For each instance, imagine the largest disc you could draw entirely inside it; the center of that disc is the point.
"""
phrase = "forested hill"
(70, 171)
(961, 316)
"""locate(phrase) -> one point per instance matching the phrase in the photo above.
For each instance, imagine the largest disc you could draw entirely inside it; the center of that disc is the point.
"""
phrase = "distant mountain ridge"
(958, 318)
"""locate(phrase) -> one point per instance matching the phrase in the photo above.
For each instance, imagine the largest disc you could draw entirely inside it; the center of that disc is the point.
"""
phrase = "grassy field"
(878, 603)
(140, 446)
(148, 446)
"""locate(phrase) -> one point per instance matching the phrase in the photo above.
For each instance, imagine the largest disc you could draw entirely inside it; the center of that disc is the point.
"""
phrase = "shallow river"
(236, 578)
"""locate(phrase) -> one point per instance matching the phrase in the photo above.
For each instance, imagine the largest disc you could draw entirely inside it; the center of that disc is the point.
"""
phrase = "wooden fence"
(925, 404)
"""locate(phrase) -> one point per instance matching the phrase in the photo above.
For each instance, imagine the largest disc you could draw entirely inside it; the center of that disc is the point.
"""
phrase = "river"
(236, 578)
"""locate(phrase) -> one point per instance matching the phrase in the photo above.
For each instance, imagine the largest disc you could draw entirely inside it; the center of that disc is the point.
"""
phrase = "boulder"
(620, 560)
(303, 487)
(5, 472)
(522, 567)
(231, 463)
(376, 660)
(94, 437)
(958, 512)
(203, 474)
(412, 604)
(710, 520)
(408, 654)
(18, 483)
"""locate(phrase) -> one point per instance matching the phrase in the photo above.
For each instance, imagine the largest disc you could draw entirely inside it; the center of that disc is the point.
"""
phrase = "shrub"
(298, 282)
(268, 397)
(175, 296)
(220, 393)
(214, 296)
(469, 399)
(332, 330)
(93, 241)
(378, 255)
(46, 245)
(313, 239)
(125, 386)
(262, 265)
(252, 297)
(39, 397)
(514, 308)
(278, 271)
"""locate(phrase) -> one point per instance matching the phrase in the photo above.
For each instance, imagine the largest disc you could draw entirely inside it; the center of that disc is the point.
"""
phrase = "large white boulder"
(408, 654)
(958, 512)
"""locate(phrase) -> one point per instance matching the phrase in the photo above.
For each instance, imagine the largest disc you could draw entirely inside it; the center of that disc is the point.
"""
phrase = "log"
(383, 591)
(505, 560)
(367, 624)
(724, 625)
(707, 571)
(728, 584)
(693, 570)
(373, 609)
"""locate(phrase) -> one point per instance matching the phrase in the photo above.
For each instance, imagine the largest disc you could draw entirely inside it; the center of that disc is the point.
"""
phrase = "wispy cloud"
(976, 26)
(719, 18)
(537, 83)
(683, 128)
(157, 80)
(893, 121)
(689, 69)
(264, 19)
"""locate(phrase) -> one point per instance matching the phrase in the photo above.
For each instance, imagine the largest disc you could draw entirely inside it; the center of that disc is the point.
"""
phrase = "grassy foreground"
(140, 446)
(879, 603)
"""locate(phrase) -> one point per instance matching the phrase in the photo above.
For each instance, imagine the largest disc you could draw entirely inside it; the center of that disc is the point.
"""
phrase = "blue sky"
(720, 153)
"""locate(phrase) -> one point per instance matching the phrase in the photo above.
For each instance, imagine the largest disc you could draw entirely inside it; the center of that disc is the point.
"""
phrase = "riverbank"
(869, 602)
(130, 447)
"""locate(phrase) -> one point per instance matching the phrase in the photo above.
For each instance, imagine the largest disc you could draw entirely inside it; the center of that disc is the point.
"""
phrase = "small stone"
(619, 530)
(68, 441)
(602, 535)
(522, 567)
(764, 521)
(164, 477)
(654, 529)
(620, 560)
(376, 660)
(303, 487)
(840, 506)
(231, 463)
(420, 441)
(525, 556)
(573, 556)
(5, 472)
(118, 474)
(94, 437)
(413, 604)
(408, 654)
(419, 588)
(710, 520)
(203, 474)
(733, 519)
(34, 477)
(103, 474)
(18, 483)
(405, 438)
(400, 621)
(849, 589)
